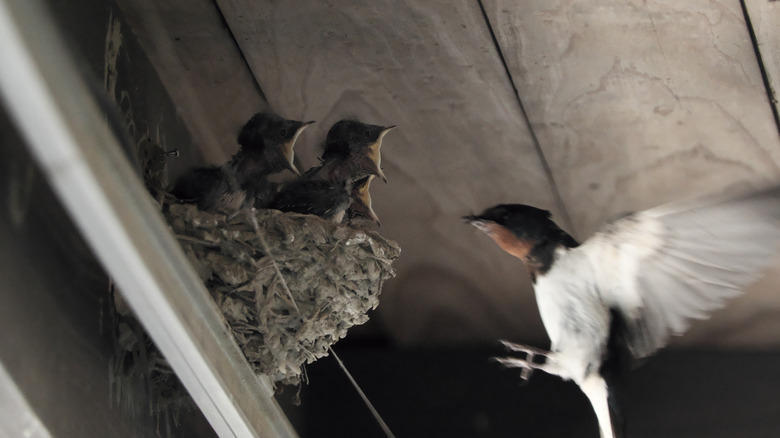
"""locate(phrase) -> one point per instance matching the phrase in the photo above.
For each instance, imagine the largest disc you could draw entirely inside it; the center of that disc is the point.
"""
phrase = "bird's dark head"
(274, 137)
(523, 231)
(351, 138)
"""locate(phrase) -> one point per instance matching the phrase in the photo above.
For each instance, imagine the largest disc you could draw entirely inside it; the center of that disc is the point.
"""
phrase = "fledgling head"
(525, 232)
(361, 142)
(361, 201)
(270, 139)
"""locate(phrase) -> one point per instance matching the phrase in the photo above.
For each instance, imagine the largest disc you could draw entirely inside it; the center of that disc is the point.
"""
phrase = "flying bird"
(639, 280)
(266, 147)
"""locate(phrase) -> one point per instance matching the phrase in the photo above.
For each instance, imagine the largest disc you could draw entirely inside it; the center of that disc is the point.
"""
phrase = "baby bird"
(350, 160)
(324, 198)
(266, 147)
(351, 151)
(360, 208)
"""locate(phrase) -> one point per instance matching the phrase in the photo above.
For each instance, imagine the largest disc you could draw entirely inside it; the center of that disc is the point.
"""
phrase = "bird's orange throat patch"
(508, 241)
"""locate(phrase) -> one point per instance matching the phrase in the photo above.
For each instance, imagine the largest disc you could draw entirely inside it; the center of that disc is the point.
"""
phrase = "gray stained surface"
(587, 109)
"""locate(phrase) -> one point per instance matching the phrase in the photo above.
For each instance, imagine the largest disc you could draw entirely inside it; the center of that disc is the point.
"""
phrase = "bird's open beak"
(470, 219)
(364, 201)
(380, 173)
(477, 222)
(290, 160)
(289, 152)
(375, 155)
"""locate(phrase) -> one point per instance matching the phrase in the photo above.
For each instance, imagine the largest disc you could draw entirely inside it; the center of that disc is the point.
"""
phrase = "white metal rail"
(60, 120)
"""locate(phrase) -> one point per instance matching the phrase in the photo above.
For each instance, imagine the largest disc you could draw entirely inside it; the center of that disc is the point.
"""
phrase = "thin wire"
(343, 367)
(373, 410)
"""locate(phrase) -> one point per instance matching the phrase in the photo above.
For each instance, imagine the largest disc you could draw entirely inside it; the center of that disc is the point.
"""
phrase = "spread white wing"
(665, 266)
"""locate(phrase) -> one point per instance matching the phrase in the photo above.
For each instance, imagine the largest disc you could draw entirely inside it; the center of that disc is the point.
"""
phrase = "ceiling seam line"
(226, 23)
(770, 93)
(537, 145)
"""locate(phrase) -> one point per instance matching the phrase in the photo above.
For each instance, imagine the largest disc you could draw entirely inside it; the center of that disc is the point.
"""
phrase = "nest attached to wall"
(289, 285)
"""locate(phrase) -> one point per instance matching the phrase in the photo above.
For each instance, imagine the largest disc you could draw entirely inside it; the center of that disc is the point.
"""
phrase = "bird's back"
(193, 184)
(322, 198)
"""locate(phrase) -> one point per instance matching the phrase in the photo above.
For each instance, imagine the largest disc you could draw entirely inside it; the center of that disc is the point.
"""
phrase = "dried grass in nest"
(334, 273)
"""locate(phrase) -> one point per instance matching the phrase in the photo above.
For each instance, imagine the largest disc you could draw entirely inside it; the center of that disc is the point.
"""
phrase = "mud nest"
(288, 285)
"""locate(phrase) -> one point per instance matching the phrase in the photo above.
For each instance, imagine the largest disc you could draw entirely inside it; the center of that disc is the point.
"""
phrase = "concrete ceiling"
(585, 108)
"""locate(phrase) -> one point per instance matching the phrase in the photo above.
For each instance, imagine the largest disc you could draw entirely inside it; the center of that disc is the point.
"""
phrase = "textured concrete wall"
(201, 67)
(626, 105)
(639, 103)
(585, 108)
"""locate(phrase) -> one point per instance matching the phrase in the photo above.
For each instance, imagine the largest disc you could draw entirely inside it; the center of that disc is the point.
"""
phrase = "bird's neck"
(541, 258)
(254, 164)
(345, 169)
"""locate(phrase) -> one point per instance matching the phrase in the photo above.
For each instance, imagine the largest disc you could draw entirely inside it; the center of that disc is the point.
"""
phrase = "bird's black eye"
(367, 134)
(283, 132)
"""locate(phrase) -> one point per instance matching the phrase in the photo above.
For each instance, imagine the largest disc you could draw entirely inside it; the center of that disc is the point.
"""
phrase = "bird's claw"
(527, 364)
(527, 368)
(529, 351)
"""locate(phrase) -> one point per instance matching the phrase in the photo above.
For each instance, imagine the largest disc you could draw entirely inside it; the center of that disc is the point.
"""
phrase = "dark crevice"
(764, 75)
(240, 51)
(548, 172)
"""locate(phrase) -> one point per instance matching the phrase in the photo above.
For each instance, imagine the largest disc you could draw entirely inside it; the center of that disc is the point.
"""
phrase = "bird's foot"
(528, 365)
(530, 351)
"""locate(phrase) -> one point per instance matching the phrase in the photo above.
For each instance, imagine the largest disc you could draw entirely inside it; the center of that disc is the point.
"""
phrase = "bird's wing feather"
(665, 266)
(193, 184)
(321, 198)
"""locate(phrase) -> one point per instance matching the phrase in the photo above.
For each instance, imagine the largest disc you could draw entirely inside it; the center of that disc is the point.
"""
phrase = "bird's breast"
(575, 318)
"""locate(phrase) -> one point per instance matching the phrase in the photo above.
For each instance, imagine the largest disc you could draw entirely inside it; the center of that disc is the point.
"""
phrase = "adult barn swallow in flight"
(352, 151)
(266, 147)
(633, 284)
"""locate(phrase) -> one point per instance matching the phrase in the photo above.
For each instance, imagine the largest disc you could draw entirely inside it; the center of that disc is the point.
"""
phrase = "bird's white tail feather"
(595, 388)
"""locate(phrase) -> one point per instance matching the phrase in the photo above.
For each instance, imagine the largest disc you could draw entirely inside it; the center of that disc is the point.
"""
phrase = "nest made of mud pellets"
(288, 285)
